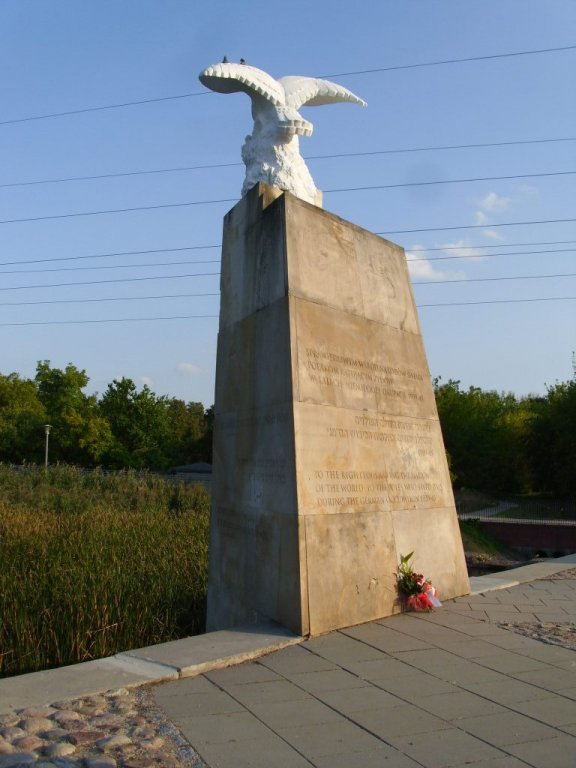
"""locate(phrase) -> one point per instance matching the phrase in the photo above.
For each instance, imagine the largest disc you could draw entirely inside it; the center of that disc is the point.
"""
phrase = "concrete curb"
(167, 661)
(516, 576)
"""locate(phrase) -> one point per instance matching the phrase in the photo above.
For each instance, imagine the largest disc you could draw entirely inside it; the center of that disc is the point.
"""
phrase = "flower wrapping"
(416, 592)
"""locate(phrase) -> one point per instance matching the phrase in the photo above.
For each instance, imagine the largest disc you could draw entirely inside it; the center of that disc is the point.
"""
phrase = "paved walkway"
(438, 690)
(448, 688)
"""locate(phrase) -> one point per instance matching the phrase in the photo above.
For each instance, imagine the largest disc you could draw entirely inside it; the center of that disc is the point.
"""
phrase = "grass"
(94, 564)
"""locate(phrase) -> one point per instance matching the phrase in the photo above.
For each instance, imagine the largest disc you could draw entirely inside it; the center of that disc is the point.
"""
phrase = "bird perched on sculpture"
(271, 153)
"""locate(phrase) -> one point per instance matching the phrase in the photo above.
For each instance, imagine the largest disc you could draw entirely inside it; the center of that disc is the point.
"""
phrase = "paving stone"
(329, 738)
(552, 679)
(271, 752)
(385, 638)
(297, 660)
(213, 703)
(331, 680)
(549, 753)
(506, 728)
(345, 651)
(220, 729)
(440, 749)
(455, 705)
(281, 714)
(556, 710)
(275, 690)
(376, 758)
(509, 662)
(359, 699)
(399, 721)
(243, 673)
(507, 691)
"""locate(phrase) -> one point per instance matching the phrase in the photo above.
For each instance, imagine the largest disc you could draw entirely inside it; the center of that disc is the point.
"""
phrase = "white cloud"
(420, 267)
(495, 203)
(529, 190)
(461, 249)
(491, 234)
(188, 369)
(146, 381)
(480, 218)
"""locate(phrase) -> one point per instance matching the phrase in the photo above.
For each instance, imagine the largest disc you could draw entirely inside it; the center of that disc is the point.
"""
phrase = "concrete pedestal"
(328, 457)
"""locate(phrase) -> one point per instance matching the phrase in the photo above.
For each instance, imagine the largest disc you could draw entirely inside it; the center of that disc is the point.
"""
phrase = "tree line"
(499, 443)
(496, 442)
(124, 428)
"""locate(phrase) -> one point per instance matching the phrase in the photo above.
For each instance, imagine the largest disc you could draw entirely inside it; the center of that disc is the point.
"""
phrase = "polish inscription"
(357, 375)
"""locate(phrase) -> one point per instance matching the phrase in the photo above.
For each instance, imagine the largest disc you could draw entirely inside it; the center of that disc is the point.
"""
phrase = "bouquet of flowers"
(416, 592)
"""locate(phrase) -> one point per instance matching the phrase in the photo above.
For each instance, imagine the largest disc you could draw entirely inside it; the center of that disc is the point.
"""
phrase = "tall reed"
(93, 564)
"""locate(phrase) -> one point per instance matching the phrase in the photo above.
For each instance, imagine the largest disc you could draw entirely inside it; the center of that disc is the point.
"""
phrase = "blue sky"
(66, 56)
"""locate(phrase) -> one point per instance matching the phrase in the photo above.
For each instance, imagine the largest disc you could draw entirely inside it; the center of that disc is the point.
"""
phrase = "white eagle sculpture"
(272, 153)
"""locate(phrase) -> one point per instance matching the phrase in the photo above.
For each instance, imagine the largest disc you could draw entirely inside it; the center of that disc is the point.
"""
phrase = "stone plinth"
(328, 457)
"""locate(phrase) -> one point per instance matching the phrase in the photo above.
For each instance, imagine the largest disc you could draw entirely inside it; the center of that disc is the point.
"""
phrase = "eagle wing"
(231, 78)
(314, 92)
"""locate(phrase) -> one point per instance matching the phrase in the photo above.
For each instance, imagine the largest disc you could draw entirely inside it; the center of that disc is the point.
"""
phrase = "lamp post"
(47, 428)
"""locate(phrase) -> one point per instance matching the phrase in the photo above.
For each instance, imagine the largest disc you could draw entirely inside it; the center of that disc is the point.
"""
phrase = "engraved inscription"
(352, 488)
(355, 374)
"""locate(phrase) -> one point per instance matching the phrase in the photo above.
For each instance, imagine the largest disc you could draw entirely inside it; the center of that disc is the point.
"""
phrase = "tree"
(485, 434)
(553, 439)
(21, 418)
(140, 426)
(81, 435)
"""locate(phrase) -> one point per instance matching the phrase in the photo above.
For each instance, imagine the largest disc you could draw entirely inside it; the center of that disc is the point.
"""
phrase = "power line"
(450, 181)
(211, 274)
(487, 255)
(190, 317)
(101, 108)
(453, 61)
(110, 266)
(108, 255)
(498, 245)
(393, 68)
(212, 166)
(118, 210)
(219, 245)
(101, 300)
(106, 320)
(117, 280)
(499, 301)
(327, 191)
(475, 226)
(491, 279)
(217, 261)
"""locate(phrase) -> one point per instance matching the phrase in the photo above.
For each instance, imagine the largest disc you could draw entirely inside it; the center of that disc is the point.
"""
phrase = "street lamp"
(47, 428)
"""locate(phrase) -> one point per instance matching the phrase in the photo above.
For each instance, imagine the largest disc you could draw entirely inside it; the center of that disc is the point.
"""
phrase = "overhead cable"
(490, 279)
(393, 68)
(219, 245)
(101, 282)
(326, 191)
(372, 153)
(191, 317)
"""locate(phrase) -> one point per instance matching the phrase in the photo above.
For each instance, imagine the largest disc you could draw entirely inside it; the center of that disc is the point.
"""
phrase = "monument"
(329, 462)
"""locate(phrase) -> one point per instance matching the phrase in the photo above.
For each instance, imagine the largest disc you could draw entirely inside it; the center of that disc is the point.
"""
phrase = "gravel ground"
(119, 729)
(551, 632)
